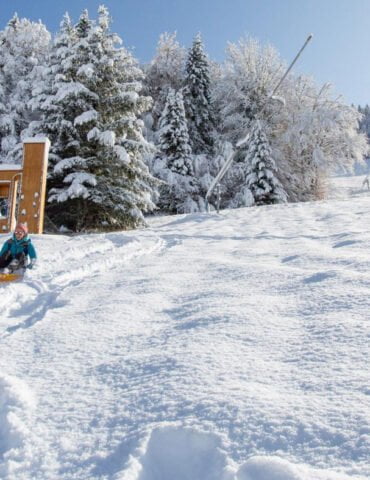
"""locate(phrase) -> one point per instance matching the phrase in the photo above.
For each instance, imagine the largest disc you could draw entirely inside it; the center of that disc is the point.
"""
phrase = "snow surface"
(7, 166)
(231, 346)
(37, 140)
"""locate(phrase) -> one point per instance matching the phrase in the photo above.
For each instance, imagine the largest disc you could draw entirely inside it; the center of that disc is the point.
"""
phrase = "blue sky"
(337, 53)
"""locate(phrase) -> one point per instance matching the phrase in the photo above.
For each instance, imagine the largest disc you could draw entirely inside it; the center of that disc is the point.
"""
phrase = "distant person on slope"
(16, 250)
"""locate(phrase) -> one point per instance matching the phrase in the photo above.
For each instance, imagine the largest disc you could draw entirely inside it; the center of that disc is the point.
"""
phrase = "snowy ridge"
(206, 347)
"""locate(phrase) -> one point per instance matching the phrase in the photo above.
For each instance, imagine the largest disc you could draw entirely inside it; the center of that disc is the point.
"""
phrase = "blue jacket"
(18, 246)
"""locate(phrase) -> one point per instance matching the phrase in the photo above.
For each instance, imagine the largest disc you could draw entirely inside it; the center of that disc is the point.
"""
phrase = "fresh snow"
(86, 117)
(108, 138)
(231, 346)
(37, 140)
(9, 166)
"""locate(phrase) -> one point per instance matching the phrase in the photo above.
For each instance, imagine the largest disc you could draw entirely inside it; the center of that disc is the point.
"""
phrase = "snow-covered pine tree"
(125, 187)
(260, 171)
(62, 97)
(24, 48)
(197, 99)
(173, 164)
(58, 98)
(99, 180)
(165, 71)
(173, 135)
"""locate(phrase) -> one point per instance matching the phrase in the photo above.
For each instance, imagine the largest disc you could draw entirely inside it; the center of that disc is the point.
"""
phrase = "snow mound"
(268, 468)
(275, 468)
(17, 403)
(179, 453)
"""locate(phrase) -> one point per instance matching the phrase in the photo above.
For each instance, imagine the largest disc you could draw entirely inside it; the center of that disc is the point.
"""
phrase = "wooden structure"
(10, 176)
(23, 188)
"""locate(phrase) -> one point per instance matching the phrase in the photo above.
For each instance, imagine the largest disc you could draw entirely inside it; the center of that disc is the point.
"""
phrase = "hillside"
(205, 347)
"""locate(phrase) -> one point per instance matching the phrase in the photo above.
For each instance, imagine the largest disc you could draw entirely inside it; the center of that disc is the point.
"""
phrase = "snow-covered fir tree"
(24, 49)
(260, 170)
(173, 135)
(63, 98)
(98, 178)
(59, 98)
(55, 99)
(165, 71)
(173, 163)
(197, 99)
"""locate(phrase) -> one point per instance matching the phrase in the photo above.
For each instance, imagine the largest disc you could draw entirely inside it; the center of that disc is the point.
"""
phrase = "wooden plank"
(33, 190)
(9, 190)
(9, 175)
(4, 190)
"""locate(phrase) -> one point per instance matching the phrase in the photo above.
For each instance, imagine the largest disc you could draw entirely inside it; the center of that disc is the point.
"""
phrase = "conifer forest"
(130, 140)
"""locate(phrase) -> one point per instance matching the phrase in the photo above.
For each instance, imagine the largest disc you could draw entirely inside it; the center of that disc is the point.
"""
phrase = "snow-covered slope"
(206, 347)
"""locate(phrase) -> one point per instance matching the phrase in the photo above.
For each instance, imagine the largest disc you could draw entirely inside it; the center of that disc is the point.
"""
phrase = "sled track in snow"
(82, 263)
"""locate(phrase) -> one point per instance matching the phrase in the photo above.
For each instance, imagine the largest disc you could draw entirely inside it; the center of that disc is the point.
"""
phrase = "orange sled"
(10, 277)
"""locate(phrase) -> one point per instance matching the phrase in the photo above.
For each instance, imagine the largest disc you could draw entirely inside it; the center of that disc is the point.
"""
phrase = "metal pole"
(218, 197)
(290, 66)
(219, 176)
(241, 142)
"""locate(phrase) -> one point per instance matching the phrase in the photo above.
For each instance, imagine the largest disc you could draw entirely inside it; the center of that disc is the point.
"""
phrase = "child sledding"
(17, 254)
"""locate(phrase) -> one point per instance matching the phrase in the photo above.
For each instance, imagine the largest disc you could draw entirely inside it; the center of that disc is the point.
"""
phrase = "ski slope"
(231, 346)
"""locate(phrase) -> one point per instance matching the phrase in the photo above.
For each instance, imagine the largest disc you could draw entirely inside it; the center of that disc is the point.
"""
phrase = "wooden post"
(33, 187)
(9, 177)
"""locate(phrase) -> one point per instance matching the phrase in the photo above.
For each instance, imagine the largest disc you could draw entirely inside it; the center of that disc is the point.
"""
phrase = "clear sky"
(337, 54)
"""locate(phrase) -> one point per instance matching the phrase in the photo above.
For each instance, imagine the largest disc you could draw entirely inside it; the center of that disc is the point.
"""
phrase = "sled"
(10, 277)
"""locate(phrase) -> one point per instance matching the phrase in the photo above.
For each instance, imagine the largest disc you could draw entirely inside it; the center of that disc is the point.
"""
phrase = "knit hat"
(22, 227)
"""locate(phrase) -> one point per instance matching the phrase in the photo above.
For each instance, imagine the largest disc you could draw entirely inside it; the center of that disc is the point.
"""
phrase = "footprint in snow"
(345, 243)
(319, 277)
(289, 259)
